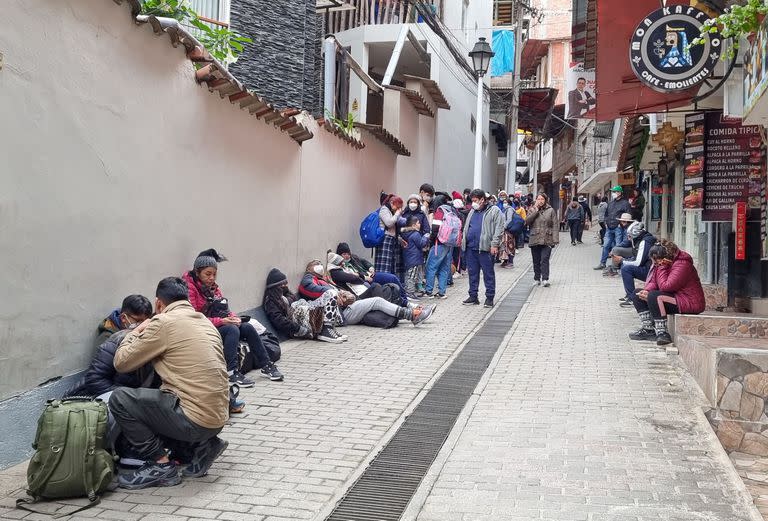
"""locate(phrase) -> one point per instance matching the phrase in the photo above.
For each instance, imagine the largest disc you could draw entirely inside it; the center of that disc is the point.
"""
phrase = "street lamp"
(481, 55)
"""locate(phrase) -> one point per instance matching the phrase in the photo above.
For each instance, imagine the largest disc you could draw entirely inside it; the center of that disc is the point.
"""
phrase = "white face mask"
(319, 269)
(506, 204)
(615, 195)
(413, 206)
(475, 206)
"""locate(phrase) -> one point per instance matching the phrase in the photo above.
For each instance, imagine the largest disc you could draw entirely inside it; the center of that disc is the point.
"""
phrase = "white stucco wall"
(117, 169)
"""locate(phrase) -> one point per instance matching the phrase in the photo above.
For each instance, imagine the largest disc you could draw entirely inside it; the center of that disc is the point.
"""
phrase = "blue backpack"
(516, 225)
(371, 233)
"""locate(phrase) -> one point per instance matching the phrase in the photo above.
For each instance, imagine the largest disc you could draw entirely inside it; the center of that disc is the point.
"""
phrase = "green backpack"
(70, 457)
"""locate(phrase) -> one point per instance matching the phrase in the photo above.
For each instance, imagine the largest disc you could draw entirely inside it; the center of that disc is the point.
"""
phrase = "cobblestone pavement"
(301, 442)
(576, 422)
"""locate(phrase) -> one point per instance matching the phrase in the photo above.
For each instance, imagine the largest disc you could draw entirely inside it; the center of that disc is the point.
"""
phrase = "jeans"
(573, 226)
(613, 237)
(439, 265)
(230, 337)
(388, 278)
(659, 303)
(477, 261)
(355, 312)
(628, 276)
(520, 240)
(541, 255)
(147, 415)
(624, 253)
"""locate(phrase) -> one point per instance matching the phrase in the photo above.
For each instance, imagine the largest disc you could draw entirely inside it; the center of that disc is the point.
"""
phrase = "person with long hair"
(545, 234)
(387, 258)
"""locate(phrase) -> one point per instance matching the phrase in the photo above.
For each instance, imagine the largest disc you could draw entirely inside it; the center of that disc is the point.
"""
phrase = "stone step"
(714, 324)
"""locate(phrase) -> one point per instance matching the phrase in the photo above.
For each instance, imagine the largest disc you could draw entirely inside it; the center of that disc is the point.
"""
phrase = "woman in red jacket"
(672, 287)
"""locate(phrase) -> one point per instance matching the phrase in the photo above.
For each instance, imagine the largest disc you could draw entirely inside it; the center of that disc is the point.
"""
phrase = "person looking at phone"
(206, 297)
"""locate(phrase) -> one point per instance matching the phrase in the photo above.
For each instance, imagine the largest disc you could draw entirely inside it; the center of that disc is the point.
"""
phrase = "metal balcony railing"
(378, 12)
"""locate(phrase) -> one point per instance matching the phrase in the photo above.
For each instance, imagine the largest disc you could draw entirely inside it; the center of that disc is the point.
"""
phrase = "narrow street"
(571, 421)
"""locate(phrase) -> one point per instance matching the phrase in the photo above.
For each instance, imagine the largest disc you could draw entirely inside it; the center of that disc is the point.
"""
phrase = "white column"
(477, 181)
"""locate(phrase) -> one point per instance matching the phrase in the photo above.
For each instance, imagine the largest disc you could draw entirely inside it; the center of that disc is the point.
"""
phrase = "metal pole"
(513, 144)
(329, 104)
(477, 181)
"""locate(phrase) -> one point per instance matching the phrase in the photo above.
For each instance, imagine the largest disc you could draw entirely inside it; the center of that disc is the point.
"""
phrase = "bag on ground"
(71, 458)
(272, 344)
(371, 233)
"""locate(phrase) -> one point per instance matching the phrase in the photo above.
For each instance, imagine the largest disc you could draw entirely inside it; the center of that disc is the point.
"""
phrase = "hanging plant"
(738, 21)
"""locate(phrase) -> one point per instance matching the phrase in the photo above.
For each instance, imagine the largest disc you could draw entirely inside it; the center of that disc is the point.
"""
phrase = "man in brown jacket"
(191, 405)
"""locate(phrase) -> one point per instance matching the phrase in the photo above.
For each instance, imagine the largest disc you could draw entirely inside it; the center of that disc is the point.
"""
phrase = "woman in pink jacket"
(672, 287)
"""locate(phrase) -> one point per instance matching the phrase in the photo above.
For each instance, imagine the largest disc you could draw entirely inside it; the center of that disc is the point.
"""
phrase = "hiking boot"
(272, 372)
(471, 301)
(241, 380)
(329, 335)
(203, 457)
(599, 267)
(422, 314)
(151, 474)
(545, 283)
(663, 339)
(643, 334)
(488, 303)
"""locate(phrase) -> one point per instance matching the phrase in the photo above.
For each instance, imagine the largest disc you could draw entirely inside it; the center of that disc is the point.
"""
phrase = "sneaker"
(663, 339)
(241, 380)
(428, 294)
(150, 474)
(343, 338)
(235, 406)
(272, 372)
(627, 304)
(545, 283)
(329, 335)
(488, 303)
(422, 314)
(441, 296)
(579, 242)
(573, 243)
(537, 282)
(471, 301)
(610, 273)
(643, 334)
(599, 267)
(624, 299)
(203, 457)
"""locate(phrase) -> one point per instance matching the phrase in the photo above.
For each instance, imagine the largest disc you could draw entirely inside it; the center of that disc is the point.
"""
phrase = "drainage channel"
(385, 488)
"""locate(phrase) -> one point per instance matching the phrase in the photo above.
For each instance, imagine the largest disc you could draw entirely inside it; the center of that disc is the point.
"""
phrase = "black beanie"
(275, 278)
(343, 248)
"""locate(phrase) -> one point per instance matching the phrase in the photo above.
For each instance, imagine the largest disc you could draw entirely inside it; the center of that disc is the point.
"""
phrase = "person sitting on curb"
(134, 310)
(481, 240)
(673, 287)
(625, 248)
(366, 271)
(639, 266)
(206, 297)
(191, 406)
(298, 318)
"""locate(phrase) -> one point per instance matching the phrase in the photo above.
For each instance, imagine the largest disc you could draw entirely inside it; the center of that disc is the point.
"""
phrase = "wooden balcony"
(378, 12)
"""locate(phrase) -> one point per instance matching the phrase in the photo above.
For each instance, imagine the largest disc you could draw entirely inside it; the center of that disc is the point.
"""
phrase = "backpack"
(390, 293)
(449, 232)
(70, 459)
(371, 233)
(516, 224)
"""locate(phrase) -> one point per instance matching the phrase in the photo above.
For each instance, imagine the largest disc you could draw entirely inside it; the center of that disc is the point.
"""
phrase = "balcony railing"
(378, 12)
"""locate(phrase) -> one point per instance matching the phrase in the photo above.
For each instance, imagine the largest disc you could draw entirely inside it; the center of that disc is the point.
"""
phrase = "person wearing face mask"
(545, 234)
(614, 234)
(387, 258)
(132, 309)
(413, 208)
(481, 241)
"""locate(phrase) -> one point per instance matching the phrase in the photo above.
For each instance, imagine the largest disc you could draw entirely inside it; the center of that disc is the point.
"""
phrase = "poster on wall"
(581, 99)
(693, 169)
(734, 167)
(756, 69)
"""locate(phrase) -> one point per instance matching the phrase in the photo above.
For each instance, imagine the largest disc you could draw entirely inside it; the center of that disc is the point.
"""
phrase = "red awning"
(620, 93)
(536, 109)
(533, 52)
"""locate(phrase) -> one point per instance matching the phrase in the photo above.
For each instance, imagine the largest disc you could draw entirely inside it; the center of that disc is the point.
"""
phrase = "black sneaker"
(328, 334)
(203, 457)
(488, 303)
(599, 267)
(151, 474)
(627, 304)
(423, 314)
(272, 372)
(545, 283)
(643, 334)
(241, 380)
(663, 339)
(441, 296)
(471, 301)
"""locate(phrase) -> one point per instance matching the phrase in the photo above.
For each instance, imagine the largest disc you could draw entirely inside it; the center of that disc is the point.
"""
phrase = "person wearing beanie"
(206, 297)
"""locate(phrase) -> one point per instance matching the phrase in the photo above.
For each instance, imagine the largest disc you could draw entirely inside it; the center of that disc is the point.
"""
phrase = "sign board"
(693, 168)
(661, 54)
(581, 100)
(740, 226)
(734, 168)
(756, 69)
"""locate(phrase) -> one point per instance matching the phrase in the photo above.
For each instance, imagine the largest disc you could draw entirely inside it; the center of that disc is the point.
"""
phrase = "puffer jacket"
(198, 300)
(544, 226)
(312, 286)
(574, 213)
(681, 279)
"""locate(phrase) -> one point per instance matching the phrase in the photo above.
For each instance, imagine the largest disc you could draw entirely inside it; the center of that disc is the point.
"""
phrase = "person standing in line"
(574, 214)
(587, 218)
(545, 235)
(615, 233)
(601, 209)
(507, 249)
(388, 255)
(484, 227)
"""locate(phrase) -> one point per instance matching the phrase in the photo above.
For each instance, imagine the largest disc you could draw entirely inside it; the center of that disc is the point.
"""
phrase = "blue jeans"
(439, 265)
(628, 276)
(613, 237)
(477, 261)
(388, 278)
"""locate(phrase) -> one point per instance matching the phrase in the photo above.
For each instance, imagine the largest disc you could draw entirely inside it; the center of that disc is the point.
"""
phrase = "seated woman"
(298, 318)
(672, 287)
(366, 271)
(205, 296)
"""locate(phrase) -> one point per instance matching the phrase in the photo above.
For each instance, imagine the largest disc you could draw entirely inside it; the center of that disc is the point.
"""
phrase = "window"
(217, 10)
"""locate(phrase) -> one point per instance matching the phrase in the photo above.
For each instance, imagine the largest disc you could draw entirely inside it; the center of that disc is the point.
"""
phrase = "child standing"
(414, 242)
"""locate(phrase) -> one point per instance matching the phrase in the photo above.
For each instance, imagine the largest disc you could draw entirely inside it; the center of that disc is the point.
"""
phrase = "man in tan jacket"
(191, 405)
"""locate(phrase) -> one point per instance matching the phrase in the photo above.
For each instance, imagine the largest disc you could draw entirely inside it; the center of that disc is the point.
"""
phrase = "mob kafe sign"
(661, 53)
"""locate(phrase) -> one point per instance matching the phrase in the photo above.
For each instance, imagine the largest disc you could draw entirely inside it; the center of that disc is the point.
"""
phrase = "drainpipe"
(329, 89)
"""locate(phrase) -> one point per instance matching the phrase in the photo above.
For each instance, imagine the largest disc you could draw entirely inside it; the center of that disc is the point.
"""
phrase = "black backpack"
(390, 292)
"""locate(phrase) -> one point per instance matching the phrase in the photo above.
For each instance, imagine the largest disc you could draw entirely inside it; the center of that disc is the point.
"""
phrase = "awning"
(386, 137)
(597, 180)
(536, 109)
(556, 122)
(533, 52)
(631, 143)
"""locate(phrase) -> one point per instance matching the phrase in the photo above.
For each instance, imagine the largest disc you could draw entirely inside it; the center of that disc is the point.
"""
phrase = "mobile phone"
(244, 318)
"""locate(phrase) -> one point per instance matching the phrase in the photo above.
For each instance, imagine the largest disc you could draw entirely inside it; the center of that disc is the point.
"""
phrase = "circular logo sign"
(661, 53)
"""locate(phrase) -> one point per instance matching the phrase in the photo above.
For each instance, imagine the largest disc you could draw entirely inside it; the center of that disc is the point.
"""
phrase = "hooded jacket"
(312, 286)
(644, 243)
(574, 213)
(198, 300)
(418, 212)
(413, 254)
(108, 327)
(682, 280)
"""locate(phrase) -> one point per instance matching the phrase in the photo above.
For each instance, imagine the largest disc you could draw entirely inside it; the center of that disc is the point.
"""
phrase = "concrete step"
(714, 324)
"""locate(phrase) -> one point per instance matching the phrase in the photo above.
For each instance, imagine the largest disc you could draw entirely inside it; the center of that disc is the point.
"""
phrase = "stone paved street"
(571, 422)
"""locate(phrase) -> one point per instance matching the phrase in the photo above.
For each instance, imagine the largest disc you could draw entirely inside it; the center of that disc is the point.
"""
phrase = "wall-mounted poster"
(734, 167)
(756, 69)
(582, 98)
(693, 170)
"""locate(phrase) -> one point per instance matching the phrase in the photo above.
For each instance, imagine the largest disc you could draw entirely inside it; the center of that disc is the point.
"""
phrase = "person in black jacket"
(615, 234)
(588, 213)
